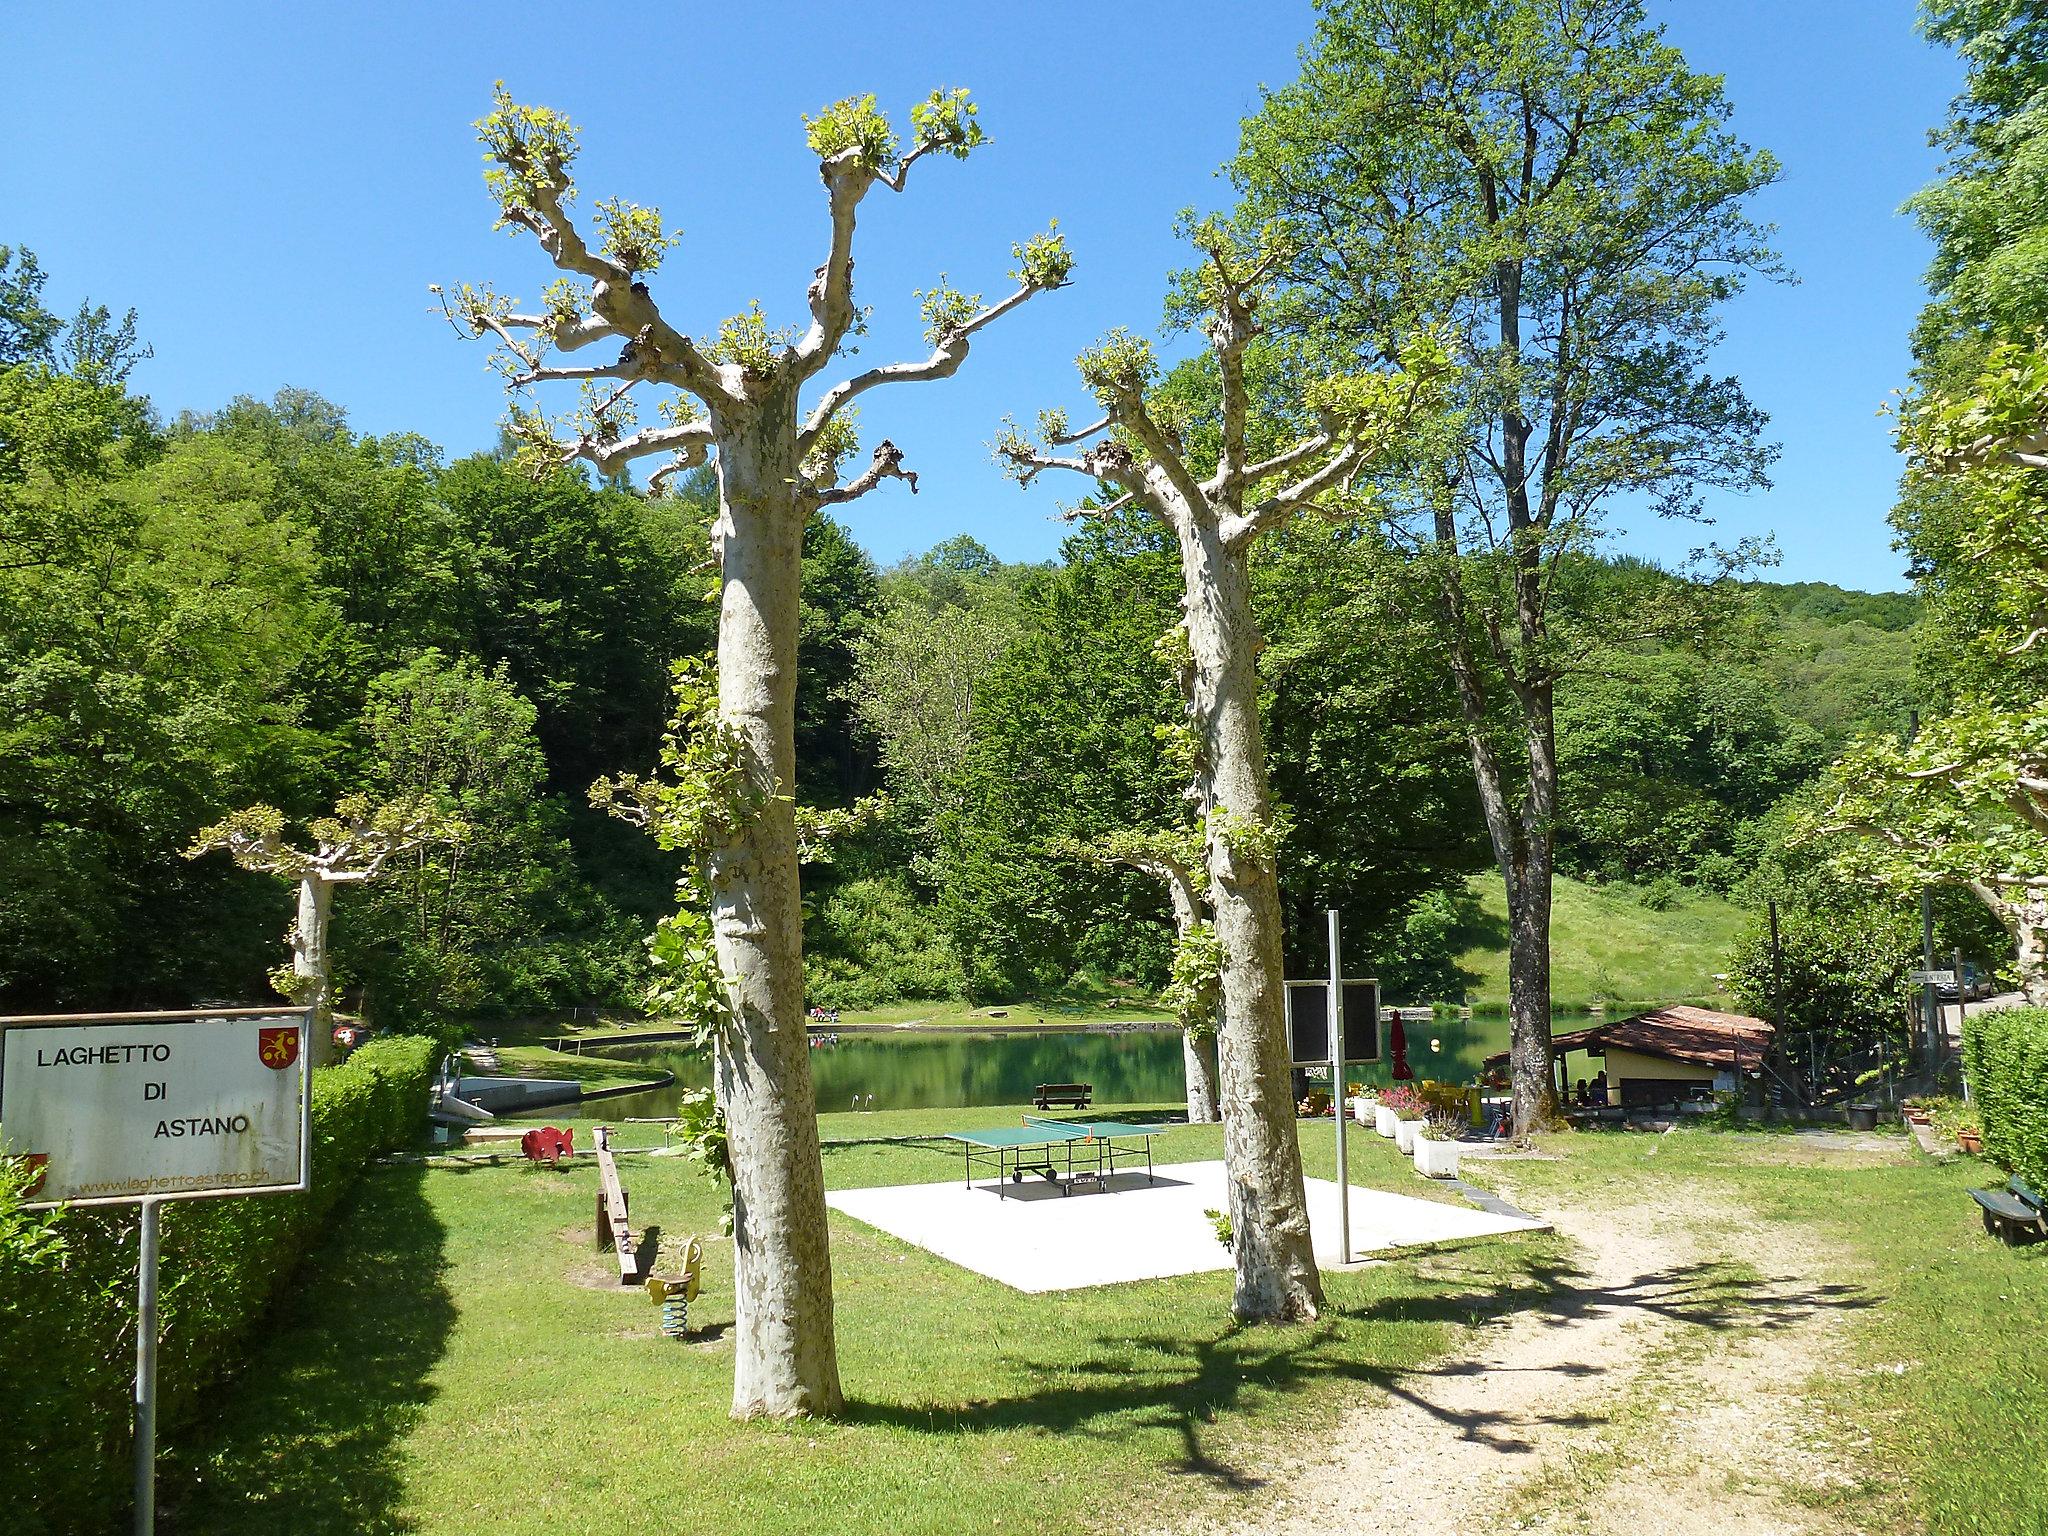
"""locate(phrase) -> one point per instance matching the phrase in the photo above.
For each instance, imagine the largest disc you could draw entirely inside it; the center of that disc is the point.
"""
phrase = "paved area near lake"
(1038, 1239)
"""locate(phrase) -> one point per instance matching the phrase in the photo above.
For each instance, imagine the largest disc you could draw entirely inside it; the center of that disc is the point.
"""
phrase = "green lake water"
(957, 1068)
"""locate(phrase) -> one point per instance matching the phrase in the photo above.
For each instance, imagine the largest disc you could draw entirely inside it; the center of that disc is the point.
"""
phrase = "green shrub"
(2005, 1054)
(870, 942)
(67, 1297)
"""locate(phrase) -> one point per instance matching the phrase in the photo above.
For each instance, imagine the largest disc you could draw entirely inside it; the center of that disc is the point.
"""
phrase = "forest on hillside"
(260, 605)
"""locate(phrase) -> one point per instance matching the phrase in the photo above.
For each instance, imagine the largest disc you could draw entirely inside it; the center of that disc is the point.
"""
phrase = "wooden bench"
(1063, 1095)
(2015, 1214)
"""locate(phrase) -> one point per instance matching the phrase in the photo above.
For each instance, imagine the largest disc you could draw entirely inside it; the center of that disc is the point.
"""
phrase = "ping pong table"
(1047, 1148)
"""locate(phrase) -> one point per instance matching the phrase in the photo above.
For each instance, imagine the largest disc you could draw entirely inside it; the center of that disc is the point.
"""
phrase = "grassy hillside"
(1606, 944)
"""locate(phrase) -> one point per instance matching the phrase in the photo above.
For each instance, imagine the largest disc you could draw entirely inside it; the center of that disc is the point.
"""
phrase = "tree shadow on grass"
(1186, 1384)
(308, 1438)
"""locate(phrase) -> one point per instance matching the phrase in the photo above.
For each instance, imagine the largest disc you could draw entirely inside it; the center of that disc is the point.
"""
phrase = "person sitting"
(1579, 1093)
(1598, 1092)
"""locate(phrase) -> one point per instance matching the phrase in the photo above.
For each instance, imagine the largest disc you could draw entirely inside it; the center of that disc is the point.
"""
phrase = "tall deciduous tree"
(1550, 182)
(1216, 512)
(1964, 801)
(740, 396)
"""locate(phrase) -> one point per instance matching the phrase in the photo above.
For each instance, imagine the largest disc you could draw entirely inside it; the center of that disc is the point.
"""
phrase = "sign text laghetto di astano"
(118, 1111)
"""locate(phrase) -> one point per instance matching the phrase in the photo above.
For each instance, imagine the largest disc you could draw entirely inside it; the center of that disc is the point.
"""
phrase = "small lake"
(958, 1068)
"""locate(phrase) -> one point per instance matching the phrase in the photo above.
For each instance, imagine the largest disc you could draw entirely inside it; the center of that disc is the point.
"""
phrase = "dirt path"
(1659, 1390)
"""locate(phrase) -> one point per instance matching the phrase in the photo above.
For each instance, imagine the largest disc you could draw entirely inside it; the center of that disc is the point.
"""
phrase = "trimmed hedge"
(67, 1298)
(2005, 1054)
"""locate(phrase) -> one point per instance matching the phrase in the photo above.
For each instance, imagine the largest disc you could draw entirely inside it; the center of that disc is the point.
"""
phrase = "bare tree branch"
(886, 465)
(946, 359)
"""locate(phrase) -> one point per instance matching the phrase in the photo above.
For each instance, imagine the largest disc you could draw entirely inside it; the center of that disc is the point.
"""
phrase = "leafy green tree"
(1061, 750)
(916, 670)
(1555, 188)
(28, 331)
(1839, 974)
(740, 396)
(150, 641)
(1964, 800)
(460, 924)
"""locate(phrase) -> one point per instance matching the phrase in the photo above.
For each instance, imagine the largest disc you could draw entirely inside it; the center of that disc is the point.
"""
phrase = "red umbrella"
(1397, 1044)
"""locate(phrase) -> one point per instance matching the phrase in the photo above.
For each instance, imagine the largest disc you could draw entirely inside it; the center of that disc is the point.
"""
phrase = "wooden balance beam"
(614, 1231)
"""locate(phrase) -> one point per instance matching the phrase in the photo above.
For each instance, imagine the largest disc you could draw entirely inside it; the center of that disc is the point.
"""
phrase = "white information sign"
(112, 1110)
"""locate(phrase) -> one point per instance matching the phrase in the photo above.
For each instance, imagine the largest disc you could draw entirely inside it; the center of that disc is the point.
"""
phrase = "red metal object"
(1397, 1046)
(547, 1145)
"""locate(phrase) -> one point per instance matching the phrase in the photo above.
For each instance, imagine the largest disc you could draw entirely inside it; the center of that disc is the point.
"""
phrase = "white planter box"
(1361, 1111)
(1436, 1159)
(1404, 1134)
(1384, 1121)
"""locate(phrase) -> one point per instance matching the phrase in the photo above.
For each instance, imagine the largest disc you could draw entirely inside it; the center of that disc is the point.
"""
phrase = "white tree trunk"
(1197, 1051)
(2025, 917)
(1198, 1062)
(785, 1359)
(1276, 1267)
(310, 964)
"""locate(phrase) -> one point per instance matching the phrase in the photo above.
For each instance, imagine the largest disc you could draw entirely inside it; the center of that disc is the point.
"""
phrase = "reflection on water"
(940, 1069)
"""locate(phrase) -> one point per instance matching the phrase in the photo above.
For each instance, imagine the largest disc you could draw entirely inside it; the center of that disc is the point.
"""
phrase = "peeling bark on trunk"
(1198, 1063)
(785, 1360)
(2025, 917)
(1197, 1052)
(310, 963)
(1531, 1070)
(1521, 838)
(1275, 1261)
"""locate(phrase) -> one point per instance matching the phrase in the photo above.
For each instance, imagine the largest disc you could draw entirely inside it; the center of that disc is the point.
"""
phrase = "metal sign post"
(145, 1374)
(140, 1108)
(1337, 1091)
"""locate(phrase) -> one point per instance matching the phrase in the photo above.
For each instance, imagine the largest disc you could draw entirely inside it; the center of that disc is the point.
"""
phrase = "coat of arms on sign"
(278, 1048)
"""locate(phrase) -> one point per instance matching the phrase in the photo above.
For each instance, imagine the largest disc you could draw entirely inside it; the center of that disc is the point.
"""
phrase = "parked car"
(1975, 984)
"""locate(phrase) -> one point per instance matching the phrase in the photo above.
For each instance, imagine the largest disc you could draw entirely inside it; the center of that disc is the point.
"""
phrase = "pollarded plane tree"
(357, 843)
(1216, 512)
(739, 398)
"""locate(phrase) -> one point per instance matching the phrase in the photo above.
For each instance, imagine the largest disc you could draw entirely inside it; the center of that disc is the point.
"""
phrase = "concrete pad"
(1034, 1238)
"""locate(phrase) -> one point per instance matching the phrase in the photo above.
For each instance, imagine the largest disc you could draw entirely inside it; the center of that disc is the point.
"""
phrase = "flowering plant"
(1404, 1101)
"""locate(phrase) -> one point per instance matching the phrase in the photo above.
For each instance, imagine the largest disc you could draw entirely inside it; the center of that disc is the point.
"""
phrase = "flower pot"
(1436, 1159)
(1404, 1134)
(1862, 1117)
(1971, 1142)
(1361, 1111)
(1384, 1120)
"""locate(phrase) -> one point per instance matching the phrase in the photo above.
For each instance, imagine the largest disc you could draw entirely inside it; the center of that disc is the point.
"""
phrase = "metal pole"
(1337, 1085)
(1932, 996)
(145, 1375)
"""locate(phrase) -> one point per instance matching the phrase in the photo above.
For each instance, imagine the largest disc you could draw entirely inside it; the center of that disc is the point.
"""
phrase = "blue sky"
(274, 188)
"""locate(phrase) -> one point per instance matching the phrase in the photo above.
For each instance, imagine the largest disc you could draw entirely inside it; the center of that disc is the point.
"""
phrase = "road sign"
(1932, 978)
(1308, 1026)
(115, 1110)
(142, 1108)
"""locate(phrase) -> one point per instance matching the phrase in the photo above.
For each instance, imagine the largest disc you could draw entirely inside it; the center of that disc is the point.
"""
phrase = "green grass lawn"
(1605, 944)
(591, 1071)
(458, 1359)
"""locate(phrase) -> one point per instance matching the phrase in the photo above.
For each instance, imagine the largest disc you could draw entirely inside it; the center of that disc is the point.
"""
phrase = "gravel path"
(1654, 1392)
